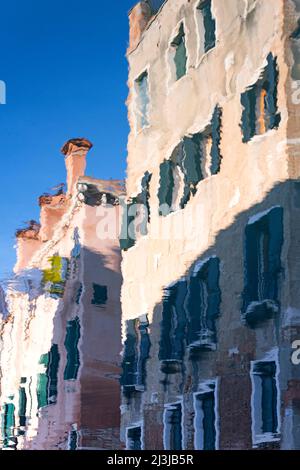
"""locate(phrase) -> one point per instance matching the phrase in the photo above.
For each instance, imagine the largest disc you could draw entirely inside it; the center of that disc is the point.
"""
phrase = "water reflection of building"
(61, 339)
(211, 313)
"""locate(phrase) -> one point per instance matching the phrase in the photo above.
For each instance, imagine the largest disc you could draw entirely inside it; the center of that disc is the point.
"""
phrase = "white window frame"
(136, 112)
(256, 411)
(170, 54)
(168, 407)
(134, 426)
(204, 388)
(200, 31)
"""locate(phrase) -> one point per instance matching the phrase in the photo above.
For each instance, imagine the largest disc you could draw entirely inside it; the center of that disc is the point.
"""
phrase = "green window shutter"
(191, 166)
(203, 305)
(71, 344)
(143, 99)
(42, 385)
(42, 382)
(130, 357)
(209, 25)
(216, 125)
(271, 84)
(262, 266)
(136, 354)
(180, 57)
(47, 381)
(52, 374)
(44, 359)
(248, 123)
(249, 100)
(173, 325)
(141, 201)
(166, 186)
(126, 241)
(22, 406)
(8, 424)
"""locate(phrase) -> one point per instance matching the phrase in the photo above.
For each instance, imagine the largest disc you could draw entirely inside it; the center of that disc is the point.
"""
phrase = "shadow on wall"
(213, 370)
(74, 401)
(155, 5)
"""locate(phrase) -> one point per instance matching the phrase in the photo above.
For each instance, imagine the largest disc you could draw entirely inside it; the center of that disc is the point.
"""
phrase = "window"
(73, 438)
(179, 55)
(206, 25)
(136, 353)
(155, 5)
(71, 344)
(42, 382)
(188, 157)
(197, 157)
(173, 325)
(173, 435)
(263, 245)
(203, 305)
(143, 201)
(76, 250)
(142, 100)
(8, 425)
(166, 186)
(201, 155)
(205, 421)
(215, 131)
(134, 438)
(136, 215)
(100, 295)
(265, 402)
(295, 36)
(180, 175)
(78, 295)
(52, 374)
(127, 235)
(47, 380)
(259, 102)
(22, 406)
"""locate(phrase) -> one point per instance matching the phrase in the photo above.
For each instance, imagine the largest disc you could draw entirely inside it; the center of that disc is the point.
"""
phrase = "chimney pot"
(73, 144)
(75, 151)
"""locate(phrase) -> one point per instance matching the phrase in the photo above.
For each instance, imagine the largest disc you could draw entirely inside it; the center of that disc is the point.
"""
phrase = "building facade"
(210, 298)
(60, 339)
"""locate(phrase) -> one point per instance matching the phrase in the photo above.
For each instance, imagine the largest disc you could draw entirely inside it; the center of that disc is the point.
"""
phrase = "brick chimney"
(139, 17)
(75, 151)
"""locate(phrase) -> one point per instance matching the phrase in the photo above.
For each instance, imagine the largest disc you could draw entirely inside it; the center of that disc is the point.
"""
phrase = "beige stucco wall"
(248, 171)
(254, 177)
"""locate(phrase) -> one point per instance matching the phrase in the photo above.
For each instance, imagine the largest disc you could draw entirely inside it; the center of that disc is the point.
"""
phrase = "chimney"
(28, 243)
(139, 17)
(75, 151)
(52, 210)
